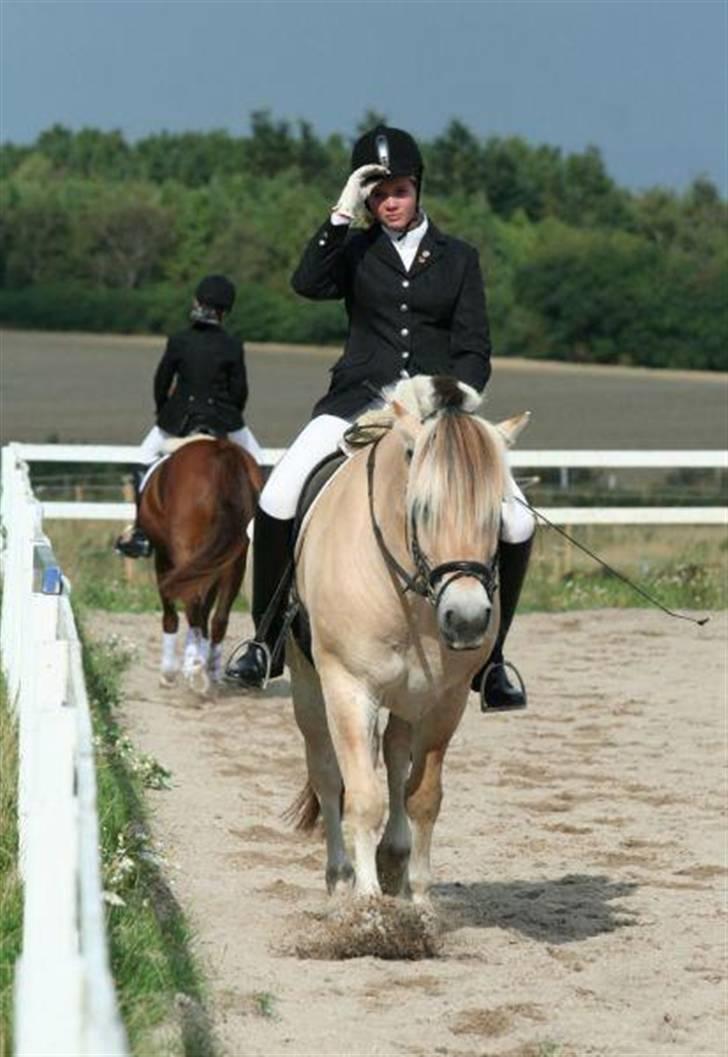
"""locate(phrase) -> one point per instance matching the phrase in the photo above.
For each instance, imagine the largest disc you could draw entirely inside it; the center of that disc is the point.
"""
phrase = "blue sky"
(644, 80)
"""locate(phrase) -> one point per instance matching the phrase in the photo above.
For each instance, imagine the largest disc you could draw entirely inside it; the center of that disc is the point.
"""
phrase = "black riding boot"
(272, 573)
(498, 693)
(133, 543)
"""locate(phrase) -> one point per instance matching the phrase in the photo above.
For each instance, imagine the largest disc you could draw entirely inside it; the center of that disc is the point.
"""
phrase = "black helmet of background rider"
(393, 148)
(217, 292)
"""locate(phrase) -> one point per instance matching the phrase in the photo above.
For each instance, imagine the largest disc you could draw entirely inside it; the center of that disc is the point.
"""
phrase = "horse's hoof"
(167, 680)
(198, 680)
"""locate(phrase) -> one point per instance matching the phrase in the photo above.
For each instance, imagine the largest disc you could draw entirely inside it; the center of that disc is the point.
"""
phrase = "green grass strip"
(159, 984)
(11, 895)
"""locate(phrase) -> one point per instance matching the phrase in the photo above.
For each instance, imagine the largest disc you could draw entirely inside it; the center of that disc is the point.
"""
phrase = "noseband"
(427, 577)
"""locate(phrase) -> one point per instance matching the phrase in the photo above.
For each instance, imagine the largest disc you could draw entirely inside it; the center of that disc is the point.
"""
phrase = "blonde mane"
(457, 478)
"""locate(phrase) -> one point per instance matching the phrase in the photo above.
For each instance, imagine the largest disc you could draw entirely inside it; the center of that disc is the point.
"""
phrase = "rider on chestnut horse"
(200, 384)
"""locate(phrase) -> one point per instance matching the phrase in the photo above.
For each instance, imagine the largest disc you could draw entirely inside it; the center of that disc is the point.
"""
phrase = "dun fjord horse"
(396, 570)
(195, 510)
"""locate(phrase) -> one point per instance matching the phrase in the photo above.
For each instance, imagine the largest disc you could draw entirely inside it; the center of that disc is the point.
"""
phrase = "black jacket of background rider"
(207, 367)
(431, 319)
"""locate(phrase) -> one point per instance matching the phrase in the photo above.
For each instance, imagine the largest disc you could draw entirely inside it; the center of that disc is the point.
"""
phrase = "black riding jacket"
(211, 386)
(431, 319)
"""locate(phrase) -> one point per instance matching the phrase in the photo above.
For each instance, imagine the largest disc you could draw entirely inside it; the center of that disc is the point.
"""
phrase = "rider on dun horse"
(416, 306)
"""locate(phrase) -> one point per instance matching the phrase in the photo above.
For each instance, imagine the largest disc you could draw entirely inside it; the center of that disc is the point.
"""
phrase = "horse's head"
(456, 482)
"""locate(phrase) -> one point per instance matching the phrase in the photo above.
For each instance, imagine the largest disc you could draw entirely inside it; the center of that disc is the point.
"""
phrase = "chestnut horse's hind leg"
(229, 585)
(170, 625)
(394, 848)
(424, 787)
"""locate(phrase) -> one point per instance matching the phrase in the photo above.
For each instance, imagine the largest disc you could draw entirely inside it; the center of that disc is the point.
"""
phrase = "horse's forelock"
(457, 477)
(426, 395)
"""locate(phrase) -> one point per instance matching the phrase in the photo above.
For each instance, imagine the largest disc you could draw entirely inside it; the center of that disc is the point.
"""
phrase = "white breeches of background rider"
(322, 436)
(153, 444)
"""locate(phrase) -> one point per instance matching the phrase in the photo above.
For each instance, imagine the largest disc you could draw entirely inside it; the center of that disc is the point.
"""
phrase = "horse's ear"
(511, 428)
(405, 424)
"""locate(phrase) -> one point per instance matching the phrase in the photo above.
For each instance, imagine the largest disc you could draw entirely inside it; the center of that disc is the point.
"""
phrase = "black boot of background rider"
(272, 572)
(499, 693)
(133, 543)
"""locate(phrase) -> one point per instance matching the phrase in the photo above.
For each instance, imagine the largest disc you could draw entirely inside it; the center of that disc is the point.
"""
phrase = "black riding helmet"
(393, 148)
(217, 292)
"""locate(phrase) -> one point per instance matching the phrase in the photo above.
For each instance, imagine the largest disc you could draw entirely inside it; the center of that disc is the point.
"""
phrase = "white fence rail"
(562, 459)
(64, 994)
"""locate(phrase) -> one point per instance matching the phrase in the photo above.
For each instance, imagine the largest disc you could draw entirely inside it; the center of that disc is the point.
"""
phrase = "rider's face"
(394, 202)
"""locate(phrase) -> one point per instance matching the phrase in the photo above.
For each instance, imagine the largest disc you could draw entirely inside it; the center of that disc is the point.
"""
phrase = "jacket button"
(404, 374)
(405, 355)
(190, 399)
(404, 332)
(322, 242)
(405, 283)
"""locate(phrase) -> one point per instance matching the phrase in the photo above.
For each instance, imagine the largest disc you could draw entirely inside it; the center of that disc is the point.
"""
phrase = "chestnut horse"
(195, 509)
(397, 572)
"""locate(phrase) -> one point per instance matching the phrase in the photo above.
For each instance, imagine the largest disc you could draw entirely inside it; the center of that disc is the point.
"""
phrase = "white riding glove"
(361, 183)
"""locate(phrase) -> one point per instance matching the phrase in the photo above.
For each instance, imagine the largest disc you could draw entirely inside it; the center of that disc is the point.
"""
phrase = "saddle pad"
(317, 481)
(152, 469)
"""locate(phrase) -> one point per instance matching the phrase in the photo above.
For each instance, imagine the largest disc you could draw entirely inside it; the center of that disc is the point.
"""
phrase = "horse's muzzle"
(464, 620)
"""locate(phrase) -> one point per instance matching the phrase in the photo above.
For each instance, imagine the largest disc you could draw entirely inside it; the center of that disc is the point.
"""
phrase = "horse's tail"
(226, 540)
(304, 811)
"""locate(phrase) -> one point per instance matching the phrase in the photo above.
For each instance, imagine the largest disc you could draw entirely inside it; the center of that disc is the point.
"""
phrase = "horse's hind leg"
(229, 585)
(394, 848)
(323, 769)
(424, 788)
(170, 625)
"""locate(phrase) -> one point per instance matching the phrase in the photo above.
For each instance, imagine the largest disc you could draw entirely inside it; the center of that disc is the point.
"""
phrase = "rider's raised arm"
(321, 272)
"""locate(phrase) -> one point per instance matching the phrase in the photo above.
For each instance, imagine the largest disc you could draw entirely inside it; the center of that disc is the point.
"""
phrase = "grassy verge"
(11, 901)
(100, 578)
(160, 987)
(681, 566)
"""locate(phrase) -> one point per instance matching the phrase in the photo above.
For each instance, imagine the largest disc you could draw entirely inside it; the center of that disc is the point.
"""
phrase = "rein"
(424, 582)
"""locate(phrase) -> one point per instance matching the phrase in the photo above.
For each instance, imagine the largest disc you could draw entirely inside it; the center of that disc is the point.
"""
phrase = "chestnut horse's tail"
(226, 541)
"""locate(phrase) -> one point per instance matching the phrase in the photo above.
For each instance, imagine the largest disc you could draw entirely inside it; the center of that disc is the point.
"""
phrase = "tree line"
(98, 233)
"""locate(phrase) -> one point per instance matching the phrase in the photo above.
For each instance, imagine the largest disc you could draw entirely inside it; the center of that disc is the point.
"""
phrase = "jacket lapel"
(383, 249)
(428, 251)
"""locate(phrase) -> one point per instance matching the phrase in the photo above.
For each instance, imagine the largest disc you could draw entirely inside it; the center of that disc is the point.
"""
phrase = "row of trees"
(99, 233)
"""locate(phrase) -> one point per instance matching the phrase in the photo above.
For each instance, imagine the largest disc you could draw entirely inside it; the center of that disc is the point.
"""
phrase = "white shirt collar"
(408, 243)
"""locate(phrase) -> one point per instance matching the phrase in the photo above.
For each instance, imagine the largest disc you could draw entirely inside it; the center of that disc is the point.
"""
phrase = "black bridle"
(426, 578)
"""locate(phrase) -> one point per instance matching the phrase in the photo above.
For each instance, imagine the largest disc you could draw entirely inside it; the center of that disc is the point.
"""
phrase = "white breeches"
(153, 444)
(320, 438)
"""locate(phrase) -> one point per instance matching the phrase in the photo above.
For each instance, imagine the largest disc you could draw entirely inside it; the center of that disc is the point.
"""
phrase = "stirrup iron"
(484, 706)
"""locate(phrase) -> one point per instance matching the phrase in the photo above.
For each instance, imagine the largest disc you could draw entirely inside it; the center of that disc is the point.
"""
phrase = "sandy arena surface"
(580, 858)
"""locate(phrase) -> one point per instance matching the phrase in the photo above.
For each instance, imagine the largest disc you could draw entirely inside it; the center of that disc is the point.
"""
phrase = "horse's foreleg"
(394, 848)
(351, 715)
(323, 768)
(424, 789)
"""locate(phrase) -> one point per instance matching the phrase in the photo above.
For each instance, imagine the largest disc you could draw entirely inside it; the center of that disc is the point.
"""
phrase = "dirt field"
(89, 388)
(579, 858)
